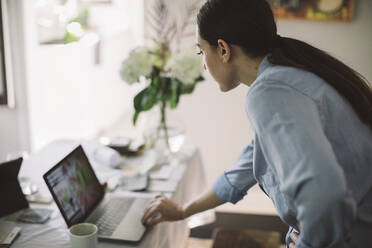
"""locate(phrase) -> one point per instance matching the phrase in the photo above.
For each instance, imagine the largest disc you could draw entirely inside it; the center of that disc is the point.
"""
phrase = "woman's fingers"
(152, 208)
(159, 196)
(157, 219)
(292, 245)
(147, 209)
(161, 209)
(150, 212)
(152, 202)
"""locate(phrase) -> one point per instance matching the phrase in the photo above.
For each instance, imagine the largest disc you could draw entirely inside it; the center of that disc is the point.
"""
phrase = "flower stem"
(163, 123)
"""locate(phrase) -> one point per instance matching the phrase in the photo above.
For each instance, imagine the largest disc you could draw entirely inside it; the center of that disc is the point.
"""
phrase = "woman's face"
(216, 64)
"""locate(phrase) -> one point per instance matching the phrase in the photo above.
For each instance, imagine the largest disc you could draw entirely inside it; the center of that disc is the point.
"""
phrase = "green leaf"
(161, 89)
(199, 79)
(187, 88)
(69, 37)
(135, 117)
(154, 82)
(143, 101)
(164, 92)
(175, 93)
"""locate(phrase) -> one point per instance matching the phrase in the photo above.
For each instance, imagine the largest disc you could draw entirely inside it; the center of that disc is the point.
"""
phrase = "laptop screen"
(74, 186)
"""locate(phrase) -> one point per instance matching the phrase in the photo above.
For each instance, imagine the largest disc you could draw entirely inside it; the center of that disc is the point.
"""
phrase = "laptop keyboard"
(111, 214)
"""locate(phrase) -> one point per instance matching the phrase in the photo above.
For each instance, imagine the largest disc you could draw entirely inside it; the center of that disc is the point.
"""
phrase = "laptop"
(81, 198)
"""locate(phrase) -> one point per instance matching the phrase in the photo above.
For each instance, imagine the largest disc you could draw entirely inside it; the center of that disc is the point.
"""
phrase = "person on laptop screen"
(312, 121)
(74, 186)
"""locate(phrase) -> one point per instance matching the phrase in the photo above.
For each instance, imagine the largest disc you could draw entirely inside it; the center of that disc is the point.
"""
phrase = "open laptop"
(81, 198)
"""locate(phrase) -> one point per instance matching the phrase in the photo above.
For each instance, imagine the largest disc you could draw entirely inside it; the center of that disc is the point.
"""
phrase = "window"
(6, 90)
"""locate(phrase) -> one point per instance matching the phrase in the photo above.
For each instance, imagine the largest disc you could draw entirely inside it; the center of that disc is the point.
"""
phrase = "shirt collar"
(263, 65)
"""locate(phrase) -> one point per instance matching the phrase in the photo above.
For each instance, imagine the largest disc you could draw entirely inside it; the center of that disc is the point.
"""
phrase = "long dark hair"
(250, 24)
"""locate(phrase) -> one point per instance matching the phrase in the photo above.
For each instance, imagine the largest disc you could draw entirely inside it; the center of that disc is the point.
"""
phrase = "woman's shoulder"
(274, 77)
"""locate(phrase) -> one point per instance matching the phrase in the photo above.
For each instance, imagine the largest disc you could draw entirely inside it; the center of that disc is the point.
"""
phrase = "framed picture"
(6, 83)
(317, 10)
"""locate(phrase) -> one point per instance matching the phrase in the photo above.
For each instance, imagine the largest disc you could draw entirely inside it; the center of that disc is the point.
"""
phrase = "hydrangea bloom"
(186, 66)
(139, 63)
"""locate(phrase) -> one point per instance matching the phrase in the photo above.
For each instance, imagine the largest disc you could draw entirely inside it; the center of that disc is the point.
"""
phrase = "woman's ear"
(224, 50)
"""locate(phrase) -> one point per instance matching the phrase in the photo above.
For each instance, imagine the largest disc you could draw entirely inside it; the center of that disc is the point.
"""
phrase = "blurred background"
(66, 57)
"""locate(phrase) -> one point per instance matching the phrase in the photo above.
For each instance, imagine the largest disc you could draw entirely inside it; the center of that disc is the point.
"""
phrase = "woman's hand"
(294, 236)
(161, 209)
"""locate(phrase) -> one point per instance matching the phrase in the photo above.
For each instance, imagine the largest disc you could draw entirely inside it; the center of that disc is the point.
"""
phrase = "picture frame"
(6, 74)
(314, 10)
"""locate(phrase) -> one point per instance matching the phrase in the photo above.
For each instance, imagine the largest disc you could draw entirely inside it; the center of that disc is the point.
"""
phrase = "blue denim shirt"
(312, 156)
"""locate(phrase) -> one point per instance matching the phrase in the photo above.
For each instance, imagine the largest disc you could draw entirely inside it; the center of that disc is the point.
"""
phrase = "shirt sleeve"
(288, 125)
(233, 184)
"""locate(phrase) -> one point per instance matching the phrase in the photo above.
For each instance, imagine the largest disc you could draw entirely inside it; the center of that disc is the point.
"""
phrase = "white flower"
(139, 63)
(185, 66)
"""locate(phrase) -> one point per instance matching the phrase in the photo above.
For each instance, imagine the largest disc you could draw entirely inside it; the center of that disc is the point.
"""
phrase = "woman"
(312, 120)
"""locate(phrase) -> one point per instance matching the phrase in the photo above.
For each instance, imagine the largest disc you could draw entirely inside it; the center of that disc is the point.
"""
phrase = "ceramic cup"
(83, 235)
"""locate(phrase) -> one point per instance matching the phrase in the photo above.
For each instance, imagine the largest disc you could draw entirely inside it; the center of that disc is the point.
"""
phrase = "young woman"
(312, 122)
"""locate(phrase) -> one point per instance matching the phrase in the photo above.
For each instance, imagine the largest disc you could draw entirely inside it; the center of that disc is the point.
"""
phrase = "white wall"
(14, 131)
(216, 121)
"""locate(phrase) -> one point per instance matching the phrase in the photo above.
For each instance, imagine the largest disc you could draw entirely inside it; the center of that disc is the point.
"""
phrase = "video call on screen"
(75, 186)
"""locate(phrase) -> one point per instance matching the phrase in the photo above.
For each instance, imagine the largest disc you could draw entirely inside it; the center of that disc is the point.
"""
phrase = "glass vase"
(164, 139)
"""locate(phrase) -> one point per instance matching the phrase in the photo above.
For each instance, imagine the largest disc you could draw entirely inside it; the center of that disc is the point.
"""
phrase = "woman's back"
(349, 138)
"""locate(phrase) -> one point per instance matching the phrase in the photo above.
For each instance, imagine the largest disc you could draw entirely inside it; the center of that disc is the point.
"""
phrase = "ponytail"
(347, 82)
